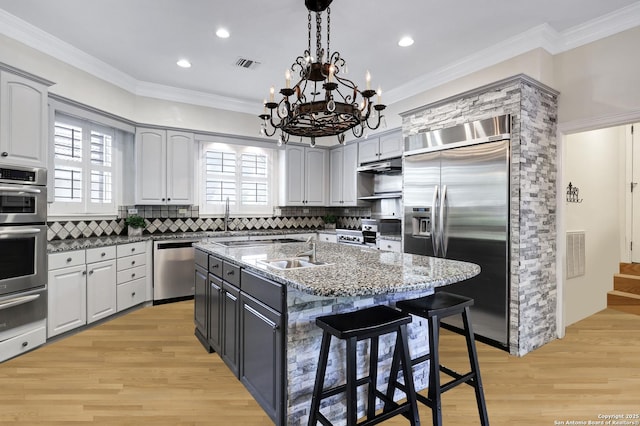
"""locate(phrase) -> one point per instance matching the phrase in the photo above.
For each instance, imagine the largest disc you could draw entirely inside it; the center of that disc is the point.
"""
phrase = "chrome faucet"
(226, 215)
(311, 253)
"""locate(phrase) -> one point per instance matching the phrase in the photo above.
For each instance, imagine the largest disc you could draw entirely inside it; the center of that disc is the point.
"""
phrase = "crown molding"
(542, 36)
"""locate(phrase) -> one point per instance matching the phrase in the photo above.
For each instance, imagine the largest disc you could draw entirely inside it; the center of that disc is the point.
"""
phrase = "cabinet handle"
(90, 272)
(103, 254)
(133, 249)
(216, 265)
(25, 344)
(168, 199)
(5, 154)
(133, 275)
(272, 324)
(230, 272)
(69, 259)
(133, 294)
(133, 262)
(84, 272)
(163, 199)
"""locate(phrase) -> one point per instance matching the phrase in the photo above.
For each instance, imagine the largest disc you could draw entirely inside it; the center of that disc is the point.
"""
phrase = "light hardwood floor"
(147, 368)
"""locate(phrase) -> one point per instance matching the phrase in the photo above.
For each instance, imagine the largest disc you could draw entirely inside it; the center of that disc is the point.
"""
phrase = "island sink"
(293, 263)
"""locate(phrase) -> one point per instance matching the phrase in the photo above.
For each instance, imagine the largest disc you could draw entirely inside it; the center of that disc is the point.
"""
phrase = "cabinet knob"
(215, 265)
(5, 154)
(90, 272)
(133, 275)
(162, 199)
(168, 199)
(103, 254)
(133, 249)
(133, 294)
(133, 262)
(25, 344)
(84, 272)
(229, 272)
(69, 259)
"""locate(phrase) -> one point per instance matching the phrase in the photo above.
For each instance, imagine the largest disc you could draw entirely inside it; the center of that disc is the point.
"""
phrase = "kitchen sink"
(293, 263)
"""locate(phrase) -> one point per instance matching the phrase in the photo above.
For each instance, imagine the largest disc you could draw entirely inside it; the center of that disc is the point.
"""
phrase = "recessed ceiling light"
(184, 63)
(222, 33)
(405, 41)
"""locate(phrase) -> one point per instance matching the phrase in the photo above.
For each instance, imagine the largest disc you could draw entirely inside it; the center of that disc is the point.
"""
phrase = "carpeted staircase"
(625, 295)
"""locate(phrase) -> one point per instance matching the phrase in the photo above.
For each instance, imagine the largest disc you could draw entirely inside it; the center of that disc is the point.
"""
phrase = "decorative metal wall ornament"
(323, 102)
(573, 194)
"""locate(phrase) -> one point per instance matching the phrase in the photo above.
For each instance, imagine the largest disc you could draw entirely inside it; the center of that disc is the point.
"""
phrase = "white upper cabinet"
(384, 147)
(164, 167)
(345, 181)
(23, 121)
(303, 173)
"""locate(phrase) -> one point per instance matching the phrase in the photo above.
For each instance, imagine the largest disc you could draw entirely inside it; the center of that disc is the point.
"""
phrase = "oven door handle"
(18, 301)
(26, 231)
(20, 190)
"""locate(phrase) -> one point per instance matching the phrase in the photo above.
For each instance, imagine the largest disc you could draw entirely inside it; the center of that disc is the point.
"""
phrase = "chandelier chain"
(309, 27)
(328, 33)
(318, 39)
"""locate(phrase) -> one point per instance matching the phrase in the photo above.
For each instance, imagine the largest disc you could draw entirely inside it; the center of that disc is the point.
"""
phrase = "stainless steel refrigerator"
(456, 206)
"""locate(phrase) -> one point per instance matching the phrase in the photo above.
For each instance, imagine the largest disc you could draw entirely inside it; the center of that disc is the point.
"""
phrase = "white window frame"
(237, 208)
(85, 207)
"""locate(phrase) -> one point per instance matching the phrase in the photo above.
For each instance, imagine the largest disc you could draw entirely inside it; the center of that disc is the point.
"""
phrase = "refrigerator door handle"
(442, 216)
(435, 237)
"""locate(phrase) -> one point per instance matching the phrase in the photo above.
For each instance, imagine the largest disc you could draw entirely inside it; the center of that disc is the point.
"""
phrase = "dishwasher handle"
(175, 245)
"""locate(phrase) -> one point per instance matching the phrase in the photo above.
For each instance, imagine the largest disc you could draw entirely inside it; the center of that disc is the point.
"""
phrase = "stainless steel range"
(349, 236)
(23, 259)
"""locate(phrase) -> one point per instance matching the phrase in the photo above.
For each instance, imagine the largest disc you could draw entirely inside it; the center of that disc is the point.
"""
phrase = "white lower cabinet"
(328, 238)
(89, 285)
(390, 245)
(67, 298)
(132, 275)
(101, 283)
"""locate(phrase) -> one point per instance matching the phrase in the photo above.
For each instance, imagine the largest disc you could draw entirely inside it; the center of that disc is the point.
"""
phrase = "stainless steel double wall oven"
(23, 249)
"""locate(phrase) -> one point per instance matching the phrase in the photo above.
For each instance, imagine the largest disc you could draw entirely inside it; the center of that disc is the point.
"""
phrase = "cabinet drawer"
(390, 245)
(101, 253)
(201, 258)
(329, 238)
(266, 291)
(131, 248)
(22, 343)
(68, 258)
(215, 266)
(131, 293)
(132, 274)
(132, 261)
(231, 273)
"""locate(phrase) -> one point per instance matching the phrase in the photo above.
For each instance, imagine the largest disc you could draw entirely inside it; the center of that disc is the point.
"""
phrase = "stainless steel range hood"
(393, 165)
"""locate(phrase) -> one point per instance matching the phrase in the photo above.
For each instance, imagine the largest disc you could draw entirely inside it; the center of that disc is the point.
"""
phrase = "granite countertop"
(351, 270)
(57, 246)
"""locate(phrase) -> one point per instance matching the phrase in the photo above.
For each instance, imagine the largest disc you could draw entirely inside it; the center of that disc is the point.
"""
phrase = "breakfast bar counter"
(346, 278)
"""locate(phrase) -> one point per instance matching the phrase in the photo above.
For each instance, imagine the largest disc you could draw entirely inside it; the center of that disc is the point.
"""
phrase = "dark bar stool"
(368, 323)
(435, 307)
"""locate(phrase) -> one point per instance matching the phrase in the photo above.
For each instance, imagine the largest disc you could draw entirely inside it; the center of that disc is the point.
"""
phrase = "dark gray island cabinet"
(261, 319)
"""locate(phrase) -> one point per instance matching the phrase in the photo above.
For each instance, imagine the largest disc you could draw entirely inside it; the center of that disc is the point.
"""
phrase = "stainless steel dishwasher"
(173, 270)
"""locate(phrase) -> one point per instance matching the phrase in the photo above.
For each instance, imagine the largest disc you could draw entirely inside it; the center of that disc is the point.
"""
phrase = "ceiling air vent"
(247, 63)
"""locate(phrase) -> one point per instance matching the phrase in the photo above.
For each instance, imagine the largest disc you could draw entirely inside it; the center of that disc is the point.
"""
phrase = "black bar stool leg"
(475, 368)
(435, 394)
(373, 378)
(322, 368)
(352, 400)
(403, 345)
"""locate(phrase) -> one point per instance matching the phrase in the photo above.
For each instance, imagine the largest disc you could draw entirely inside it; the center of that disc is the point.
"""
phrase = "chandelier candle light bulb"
(287, 78)
(367, 78)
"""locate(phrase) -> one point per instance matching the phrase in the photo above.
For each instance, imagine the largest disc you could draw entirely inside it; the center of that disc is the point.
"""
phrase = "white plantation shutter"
(83, 167)
(239, 173)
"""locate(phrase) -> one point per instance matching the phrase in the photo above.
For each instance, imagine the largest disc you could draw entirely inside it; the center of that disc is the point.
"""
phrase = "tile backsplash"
(171, 219)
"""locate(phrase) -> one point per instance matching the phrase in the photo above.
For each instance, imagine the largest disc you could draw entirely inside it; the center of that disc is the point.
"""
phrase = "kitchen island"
(350, 278)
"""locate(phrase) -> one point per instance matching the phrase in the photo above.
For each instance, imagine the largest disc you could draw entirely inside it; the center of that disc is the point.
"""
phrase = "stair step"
(627, 283)
(630, 268)
(625, 302)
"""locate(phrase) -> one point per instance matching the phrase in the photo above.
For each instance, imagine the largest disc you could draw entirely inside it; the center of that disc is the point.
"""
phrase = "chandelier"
(323, 102)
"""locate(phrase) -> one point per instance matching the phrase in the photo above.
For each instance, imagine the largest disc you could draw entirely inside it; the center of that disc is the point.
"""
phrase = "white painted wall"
(593, 161)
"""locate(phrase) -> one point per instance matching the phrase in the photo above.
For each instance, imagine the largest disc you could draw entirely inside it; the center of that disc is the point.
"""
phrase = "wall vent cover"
(245, 63)
(575, 254)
